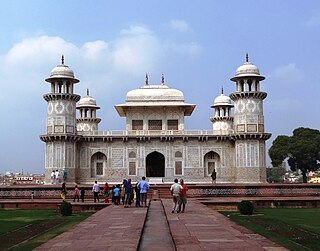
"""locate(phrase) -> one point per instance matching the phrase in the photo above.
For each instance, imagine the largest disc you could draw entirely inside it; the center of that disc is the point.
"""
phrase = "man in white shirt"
(175, 192)
(57, 175)
(96, 190)
(53, 177)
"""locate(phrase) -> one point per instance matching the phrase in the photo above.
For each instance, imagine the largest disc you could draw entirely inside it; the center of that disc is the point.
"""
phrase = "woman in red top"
(106, 192)
(183, 196)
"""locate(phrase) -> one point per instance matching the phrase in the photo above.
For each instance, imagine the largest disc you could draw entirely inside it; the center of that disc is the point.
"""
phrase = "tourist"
(137, 195)
(106, 192)
(214, 176)
(175, 192)
(57, 177)
(82, 193)
(144, 186)
(127, 192)
(116, 193)
(112, 197)
(53, 177)
(183, 196)
(63, 191)
(76, 193)
(122, 191)
(65, 175)
(96, 190)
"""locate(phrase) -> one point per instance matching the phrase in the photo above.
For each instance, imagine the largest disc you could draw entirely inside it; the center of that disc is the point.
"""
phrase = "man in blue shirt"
(144, 186)
(127, 192)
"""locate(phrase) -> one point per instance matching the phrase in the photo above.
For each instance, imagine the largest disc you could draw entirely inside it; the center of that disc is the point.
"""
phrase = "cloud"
(94, 50)
(136, 30)
(103, 66)
(190, 49)
(314, 21)
(289, 73)
(138, 50)
(33, 51)
(180, 25)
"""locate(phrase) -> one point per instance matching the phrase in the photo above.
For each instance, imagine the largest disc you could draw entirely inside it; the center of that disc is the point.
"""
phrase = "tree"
(275, 174)
(302, 150)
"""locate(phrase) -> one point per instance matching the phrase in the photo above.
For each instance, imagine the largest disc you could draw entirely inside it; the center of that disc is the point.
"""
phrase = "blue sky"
(110, 45)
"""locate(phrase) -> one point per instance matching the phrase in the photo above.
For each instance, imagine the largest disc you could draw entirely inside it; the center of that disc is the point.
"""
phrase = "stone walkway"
(199, 228)
(111, 228)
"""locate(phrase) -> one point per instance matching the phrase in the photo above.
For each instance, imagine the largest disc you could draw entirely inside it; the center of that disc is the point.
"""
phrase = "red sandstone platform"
(199, 228)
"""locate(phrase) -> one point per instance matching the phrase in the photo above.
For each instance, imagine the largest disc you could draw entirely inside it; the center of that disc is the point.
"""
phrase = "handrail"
(152, 133)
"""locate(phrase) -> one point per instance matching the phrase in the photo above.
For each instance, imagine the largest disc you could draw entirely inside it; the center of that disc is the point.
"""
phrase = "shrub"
(245, 207)
(66, 208)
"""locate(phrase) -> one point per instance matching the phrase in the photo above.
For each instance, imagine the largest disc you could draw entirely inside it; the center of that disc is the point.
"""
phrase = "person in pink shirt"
(76, 193)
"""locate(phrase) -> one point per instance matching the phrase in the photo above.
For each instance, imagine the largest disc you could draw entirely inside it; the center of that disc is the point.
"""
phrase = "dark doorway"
(155, 165)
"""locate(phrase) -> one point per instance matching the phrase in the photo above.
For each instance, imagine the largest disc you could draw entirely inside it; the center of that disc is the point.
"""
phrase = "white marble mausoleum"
(156, 143)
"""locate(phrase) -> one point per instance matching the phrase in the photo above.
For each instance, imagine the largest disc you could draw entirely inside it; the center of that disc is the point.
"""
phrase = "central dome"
(154, 93)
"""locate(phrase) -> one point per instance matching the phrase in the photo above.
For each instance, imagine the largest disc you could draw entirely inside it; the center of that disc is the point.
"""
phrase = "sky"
(110, 45)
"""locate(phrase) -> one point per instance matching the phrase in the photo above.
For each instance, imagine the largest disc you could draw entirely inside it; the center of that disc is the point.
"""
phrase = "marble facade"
(155, 143)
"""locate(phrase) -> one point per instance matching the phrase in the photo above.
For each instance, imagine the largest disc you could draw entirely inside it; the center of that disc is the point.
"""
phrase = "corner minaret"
(222, 120)
(249, 132)
(61, 132)
(88, 120)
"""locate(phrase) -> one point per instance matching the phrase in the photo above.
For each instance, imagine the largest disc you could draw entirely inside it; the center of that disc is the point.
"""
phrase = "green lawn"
(294, 228)
(27, 229)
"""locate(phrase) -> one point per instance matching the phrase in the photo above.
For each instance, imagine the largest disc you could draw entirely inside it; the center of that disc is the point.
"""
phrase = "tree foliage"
(302, 150)
(275, 174)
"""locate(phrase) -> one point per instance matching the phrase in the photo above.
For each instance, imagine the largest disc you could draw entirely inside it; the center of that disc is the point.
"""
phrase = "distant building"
(155, 142)
(21, 179)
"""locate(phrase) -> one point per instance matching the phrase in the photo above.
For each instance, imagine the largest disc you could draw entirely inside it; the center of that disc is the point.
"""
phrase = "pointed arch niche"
(211, 163)
(98, 164)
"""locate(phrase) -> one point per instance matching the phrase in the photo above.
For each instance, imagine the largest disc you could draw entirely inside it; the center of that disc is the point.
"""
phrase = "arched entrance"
(155, 165)
(211, 163)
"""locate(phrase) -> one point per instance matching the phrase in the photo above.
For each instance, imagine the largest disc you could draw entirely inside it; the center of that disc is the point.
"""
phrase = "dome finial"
(87, 91)
(247, 57)
(62, 59)
(147, 79)
(162, 79)
(221, 89)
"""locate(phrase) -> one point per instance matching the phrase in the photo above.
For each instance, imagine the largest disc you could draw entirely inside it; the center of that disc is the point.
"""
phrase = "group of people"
(77, 194)
(179, 196)
(128, 194)
(55, 176)
(125, 193)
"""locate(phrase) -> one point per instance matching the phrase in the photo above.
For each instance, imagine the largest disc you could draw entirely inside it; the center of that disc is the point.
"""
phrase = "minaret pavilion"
(222, 120)
(88, 120)
(249, 135)
(61, 129)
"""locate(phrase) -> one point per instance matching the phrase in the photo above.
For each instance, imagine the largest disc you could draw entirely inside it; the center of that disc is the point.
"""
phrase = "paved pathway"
(199, 228)
(111, 228)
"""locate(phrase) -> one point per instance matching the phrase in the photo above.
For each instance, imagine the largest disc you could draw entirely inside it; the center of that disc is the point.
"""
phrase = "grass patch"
(27, 229)
(293, 228)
